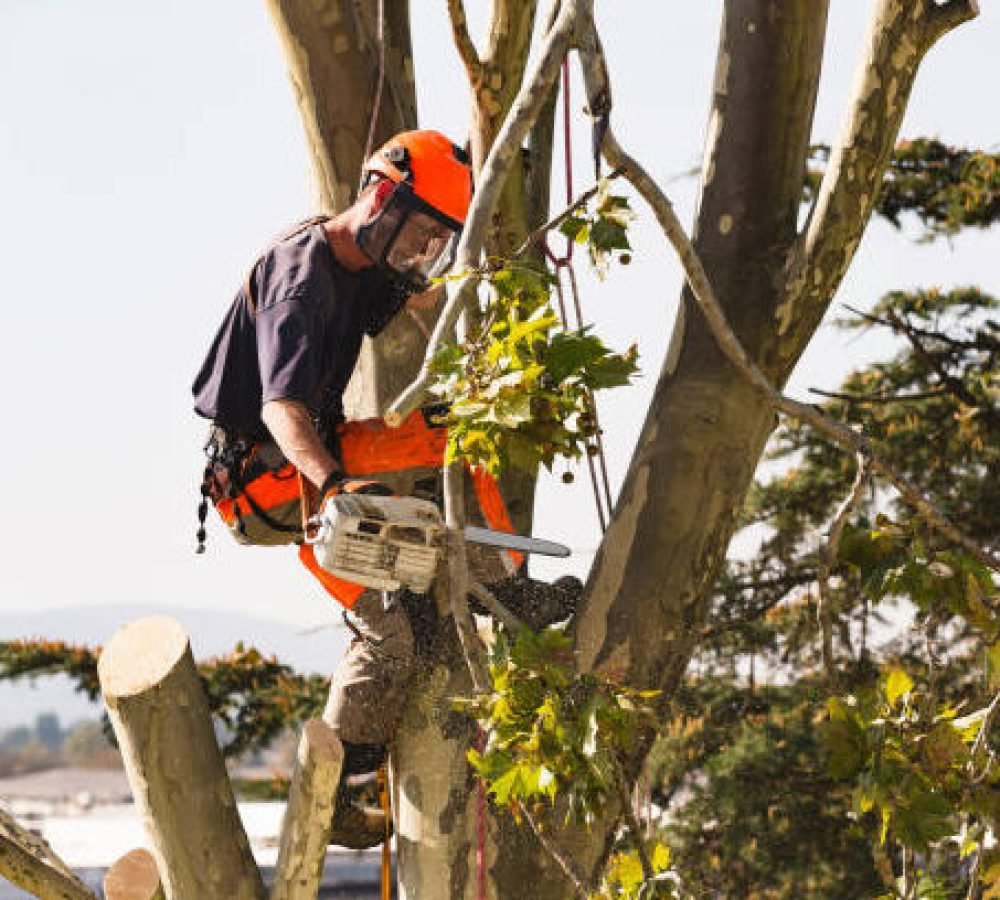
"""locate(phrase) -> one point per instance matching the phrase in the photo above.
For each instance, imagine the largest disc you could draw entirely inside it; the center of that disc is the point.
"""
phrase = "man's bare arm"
(292, 428)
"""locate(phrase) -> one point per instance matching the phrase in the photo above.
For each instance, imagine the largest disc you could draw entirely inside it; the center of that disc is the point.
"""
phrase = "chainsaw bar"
(514, 542)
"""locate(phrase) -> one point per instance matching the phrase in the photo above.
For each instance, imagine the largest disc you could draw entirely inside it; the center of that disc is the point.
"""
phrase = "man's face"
(400, 235)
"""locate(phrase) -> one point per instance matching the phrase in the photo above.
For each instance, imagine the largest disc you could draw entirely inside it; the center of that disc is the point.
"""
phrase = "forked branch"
(594, 72)
(899, 36)
(525, 110)
(463, 41)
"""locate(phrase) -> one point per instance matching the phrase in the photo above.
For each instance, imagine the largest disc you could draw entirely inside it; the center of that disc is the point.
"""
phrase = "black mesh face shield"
(410, 238)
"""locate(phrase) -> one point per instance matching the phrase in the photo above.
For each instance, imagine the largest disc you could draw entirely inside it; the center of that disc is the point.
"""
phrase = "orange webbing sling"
(370, 447)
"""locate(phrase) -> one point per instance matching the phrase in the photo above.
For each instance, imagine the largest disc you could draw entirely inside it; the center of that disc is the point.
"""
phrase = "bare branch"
(525, 110)
(556, 221)
(463, 41)
(458, 576)
(29, 862)
(877, 399)
(495, 608)
(564, 862)
(828, 558)
(704, 295)
(982, 740)
(631, 821)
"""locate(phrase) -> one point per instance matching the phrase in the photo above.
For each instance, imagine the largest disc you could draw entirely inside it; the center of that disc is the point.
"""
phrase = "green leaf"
(660, 857)
(897, 685)
(575, 228)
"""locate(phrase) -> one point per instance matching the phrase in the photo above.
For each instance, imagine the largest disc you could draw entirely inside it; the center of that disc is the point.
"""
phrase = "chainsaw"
(393, 542)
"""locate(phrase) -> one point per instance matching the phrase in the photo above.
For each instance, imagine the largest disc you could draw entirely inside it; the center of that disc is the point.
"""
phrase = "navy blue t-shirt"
(303, 341)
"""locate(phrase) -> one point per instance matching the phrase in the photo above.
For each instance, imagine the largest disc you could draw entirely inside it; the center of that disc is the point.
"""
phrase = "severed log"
(29, 862)
(133, 877)
(158, 708)
(305, 828)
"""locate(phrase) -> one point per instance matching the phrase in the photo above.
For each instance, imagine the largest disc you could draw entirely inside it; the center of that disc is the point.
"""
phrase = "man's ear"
(376, 194)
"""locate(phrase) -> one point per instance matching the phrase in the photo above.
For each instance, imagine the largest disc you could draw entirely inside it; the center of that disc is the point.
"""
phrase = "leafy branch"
(556, 740)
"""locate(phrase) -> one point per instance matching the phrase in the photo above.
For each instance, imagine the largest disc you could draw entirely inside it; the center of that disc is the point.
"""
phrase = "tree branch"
(463, 41)
(947, 16)
(556, 221)
(527, 106)
(564, 862)
(29, 862)
(704, 295)
(878, 399)
(458, 576)
(495, 608)
(828, 558)
(899, 36)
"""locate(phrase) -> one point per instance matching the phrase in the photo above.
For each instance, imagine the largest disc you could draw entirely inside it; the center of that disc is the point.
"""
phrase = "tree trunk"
(305, 829)
(28, 861)
(160, 715)
(331, 48)
(133, 877)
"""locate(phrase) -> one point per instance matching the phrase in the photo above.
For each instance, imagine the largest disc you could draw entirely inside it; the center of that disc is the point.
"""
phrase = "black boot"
(358, 824)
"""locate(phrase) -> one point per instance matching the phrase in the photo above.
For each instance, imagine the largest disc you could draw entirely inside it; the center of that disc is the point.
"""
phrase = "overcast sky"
(148, 150)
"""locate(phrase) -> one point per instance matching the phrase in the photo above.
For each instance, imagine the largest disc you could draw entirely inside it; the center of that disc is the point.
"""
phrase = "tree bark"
(160, 715)
(305, 828)
(29, 862)
(332, 52)
(133, 877)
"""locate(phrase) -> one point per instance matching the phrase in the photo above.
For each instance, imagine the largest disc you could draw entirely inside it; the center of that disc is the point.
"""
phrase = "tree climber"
(273, 385)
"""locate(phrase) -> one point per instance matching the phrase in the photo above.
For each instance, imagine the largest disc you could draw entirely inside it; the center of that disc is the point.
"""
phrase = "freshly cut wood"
(133, 877)
(29, 862)
(158, 708)
(305, 829)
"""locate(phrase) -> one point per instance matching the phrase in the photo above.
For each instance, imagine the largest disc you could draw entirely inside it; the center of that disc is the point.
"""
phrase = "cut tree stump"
(29, 862)
(158, 708)
(305, 828)
(133, 877)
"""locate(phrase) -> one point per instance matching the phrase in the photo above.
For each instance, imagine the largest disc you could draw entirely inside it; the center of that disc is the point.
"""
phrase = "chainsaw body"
(379, 542)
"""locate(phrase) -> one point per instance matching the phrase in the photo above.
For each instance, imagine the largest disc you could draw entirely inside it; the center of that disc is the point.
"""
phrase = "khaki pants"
(369, 686)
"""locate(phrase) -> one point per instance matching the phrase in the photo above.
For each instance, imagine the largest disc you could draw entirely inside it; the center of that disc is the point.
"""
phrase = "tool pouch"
(255, 491)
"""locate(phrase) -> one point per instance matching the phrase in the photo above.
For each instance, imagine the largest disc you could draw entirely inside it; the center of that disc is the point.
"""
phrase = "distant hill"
(212, 633)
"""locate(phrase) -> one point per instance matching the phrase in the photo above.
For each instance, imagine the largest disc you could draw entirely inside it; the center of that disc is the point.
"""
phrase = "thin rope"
(598, 470)
(377, 103)
(480, 824)
(383, 794)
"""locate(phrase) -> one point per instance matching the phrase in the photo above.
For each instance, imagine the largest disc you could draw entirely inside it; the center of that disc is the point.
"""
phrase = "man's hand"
(292, 428)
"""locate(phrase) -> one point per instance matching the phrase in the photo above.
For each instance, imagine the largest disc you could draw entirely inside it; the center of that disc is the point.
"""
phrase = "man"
(273, 384)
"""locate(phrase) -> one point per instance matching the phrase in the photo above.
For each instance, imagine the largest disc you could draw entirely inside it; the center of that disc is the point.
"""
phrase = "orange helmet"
(424, 189)
(436, 170)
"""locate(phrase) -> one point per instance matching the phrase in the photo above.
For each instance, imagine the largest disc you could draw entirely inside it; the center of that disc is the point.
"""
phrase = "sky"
(149, 150)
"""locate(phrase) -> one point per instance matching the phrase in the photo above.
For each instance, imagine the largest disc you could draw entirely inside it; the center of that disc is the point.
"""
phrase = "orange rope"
(383, 796)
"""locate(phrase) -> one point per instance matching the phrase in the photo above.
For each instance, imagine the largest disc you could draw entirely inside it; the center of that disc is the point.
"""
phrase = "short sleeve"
(288, 342)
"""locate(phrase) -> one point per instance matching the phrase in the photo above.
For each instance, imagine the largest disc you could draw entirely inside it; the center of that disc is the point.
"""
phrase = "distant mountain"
(212, 633)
